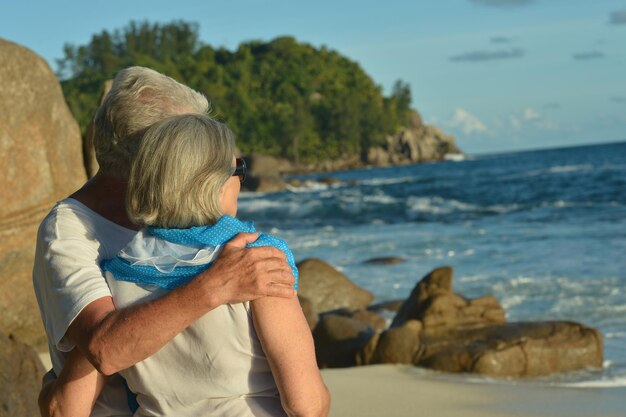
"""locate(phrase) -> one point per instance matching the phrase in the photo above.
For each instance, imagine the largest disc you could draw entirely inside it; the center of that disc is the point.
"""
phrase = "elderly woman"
(84, 328)
(246, 359)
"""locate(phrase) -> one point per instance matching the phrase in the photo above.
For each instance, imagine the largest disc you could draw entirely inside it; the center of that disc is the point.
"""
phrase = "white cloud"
(531, 118)
(466, 122)
(516, 123)
(530, 114)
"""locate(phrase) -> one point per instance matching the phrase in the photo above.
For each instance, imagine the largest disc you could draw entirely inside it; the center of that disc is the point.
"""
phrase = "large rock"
(399, 344)
(416, 143)
(339, 339)
(461, 335)
(328, 289)
(514, 349)
(20, 378)
(367, 316)
(440, 310)
(41, 163)
(264, 173)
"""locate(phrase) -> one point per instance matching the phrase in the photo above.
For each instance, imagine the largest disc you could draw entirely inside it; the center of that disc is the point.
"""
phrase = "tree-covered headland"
(282, 98)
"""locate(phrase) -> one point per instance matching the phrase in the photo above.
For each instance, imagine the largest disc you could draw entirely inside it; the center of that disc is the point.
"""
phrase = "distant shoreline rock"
(415, 144)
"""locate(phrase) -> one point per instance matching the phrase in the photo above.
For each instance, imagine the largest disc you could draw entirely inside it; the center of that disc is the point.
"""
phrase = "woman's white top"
(216, 367)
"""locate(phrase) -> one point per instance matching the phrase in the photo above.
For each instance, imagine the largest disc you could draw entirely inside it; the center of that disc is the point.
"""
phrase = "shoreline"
(400, 390)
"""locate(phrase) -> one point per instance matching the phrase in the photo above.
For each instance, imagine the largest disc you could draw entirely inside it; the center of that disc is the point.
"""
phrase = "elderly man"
(91, 225)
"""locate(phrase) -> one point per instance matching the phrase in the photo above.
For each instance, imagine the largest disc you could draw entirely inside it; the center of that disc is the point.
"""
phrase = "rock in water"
(399, 344)
(439, 309)
(385, 260)
(461, 335)
(339, 339)
(515, 349)
(328, 289)
(20, 375)
(41, 163)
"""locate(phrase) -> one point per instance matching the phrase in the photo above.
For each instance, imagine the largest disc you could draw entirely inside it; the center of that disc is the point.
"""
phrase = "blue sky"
(501, 75)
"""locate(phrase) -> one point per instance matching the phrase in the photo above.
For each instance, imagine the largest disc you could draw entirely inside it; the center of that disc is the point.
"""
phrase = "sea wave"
(376, 182)
(559, 169)
(596, 383)
(439, 205)
(291, 208)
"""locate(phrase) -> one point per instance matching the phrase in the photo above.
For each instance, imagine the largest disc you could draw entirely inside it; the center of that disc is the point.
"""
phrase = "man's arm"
(113, 340)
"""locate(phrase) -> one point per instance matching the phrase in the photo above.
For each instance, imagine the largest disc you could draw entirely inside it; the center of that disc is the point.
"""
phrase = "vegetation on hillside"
(282, 97)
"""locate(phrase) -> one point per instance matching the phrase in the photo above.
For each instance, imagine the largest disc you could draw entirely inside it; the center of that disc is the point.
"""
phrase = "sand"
(390, 391)
(403, 391)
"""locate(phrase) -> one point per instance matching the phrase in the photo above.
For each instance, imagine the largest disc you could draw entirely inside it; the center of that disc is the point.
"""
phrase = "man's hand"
(245, 274)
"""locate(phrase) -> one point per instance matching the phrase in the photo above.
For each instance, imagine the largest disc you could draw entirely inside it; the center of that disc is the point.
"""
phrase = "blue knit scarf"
(224, 230)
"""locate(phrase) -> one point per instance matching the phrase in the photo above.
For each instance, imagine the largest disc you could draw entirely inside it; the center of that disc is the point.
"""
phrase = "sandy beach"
(395, 391)
(403, 391)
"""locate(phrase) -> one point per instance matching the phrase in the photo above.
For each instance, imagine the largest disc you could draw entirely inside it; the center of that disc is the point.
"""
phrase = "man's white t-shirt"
(72, 241)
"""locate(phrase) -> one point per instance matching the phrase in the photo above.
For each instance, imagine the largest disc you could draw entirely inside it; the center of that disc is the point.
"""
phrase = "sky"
(500, 75)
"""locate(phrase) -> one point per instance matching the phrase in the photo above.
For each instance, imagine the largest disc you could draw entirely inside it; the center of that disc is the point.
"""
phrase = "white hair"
(179, 171)
(139, 98)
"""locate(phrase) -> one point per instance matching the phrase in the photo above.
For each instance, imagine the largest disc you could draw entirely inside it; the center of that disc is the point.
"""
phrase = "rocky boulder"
(438, 329)
(416, 143)
(398, 345)
(366, 316)
(328, 289)
(338, 340)
(514, 349)
(439, 309)
(42, 163)
(385, 260)
(264, 173)
(20, 378)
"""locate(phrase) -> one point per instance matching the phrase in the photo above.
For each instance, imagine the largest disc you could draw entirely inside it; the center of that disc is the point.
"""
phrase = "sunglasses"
(240, 169)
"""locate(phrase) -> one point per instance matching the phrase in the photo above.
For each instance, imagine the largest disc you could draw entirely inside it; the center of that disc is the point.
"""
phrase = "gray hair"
(139, 98)
(178, 173)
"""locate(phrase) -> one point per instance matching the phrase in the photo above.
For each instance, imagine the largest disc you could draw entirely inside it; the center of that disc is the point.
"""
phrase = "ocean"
(543, 231)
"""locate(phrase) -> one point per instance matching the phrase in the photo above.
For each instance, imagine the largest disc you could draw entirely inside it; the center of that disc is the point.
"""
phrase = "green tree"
(282, 97)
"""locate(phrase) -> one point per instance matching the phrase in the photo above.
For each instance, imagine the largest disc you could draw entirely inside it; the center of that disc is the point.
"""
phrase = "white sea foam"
(598, 383)
(387, 181)
(290, 208)
(560, 169)
(513, 301)
(474, 278)
(380, 198)
(436, 205)
(455, 157)
(314, 243)
(570, 168)
(307, 187)
(439, 205)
